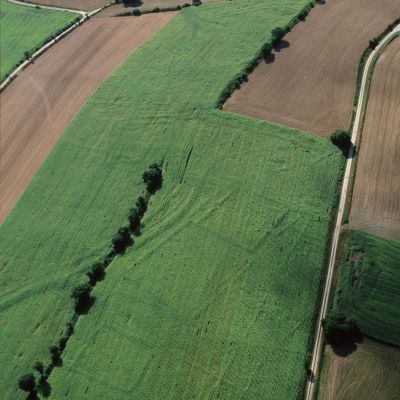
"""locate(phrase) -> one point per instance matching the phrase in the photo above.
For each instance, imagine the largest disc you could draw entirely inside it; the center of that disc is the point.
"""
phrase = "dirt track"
(86, 5)
(310, 84)
(376, 196)
(39, 104)
(371, 372)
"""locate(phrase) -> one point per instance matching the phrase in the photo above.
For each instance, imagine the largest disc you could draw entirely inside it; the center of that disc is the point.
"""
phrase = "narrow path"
(319, 336)
(23, 3)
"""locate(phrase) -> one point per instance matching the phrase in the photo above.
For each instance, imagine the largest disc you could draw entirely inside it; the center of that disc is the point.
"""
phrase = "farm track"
(38, 106)
(317, 349)
(309, 82)
(376, 196)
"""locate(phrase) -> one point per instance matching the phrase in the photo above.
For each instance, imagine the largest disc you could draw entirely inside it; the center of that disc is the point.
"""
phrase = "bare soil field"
(376, 197)
(39, 104)
(371, 372)
(309, 83)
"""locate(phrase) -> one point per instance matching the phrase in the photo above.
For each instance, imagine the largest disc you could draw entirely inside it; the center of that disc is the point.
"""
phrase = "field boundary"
(96, 272)
(265, 50)
(45, 45)
(39, 6)
(315, 362)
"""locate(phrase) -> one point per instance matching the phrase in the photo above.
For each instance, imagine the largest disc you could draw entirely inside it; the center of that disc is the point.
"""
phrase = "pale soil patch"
(310, 83)
(40, 103)
(372, 372)
(376, 196)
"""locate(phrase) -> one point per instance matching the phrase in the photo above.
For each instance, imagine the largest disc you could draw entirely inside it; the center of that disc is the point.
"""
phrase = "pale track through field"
(319, 335)
(55, 8)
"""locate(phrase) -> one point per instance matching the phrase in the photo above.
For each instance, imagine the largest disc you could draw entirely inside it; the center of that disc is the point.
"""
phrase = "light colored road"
(22, 3)
(319, 335)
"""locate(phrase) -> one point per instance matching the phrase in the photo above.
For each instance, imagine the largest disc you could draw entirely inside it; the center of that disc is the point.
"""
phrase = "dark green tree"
(27, 383)
(341, 138)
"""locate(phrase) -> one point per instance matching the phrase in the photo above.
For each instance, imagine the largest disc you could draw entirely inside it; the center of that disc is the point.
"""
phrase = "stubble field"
(375, 203)
(309, 83)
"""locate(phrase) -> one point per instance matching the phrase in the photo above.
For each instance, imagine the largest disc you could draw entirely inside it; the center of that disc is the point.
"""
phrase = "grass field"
(368, 285)
(216, 297)
(24, 28)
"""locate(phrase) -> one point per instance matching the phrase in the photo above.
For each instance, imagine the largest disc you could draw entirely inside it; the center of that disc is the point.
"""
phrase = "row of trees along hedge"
(81, 294)
(137, 12)
(277, 35)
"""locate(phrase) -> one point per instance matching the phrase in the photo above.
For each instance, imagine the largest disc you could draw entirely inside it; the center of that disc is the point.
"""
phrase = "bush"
(134, 219)
(373, 43)
(277, 35)
(153, 178)
(121, 240)
(27, 383)
(39, 367)
(55, 354)
(339, 328)
(136, 12)
(81, 294)
(63, 342)
(341, 138)
(196, 2)
(141, 205)
(96, 273)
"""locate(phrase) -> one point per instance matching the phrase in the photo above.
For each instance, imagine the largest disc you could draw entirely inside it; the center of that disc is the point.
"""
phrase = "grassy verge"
(25, 29)
(216, 297)
(368, 284)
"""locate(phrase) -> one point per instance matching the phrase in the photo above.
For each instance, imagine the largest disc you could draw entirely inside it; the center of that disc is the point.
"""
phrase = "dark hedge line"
(81, 294)
(28, 54)
(277, 35)
(137, 12)
(372, 45)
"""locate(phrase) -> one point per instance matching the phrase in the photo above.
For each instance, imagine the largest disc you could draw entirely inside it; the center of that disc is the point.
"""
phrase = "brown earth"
(376, 196)
(371, 372)
(310, 82)
(40, 103)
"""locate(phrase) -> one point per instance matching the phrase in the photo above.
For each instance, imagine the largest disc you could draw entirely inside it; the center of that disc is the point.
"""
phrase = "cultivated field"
(309, 84)
(376, 196)
(372, 372)
(41, 102)
(24, 28)
(204, 304)
(85, 5)
(368, 285)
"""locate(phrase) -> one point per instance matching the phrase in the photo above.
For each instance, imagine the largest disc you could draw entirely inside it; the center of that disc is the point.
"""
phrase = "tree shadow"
(132, 3)
(283, 44)
(269, 58)
(321, 2)
(45, 389)
(83, 308)
(345, 344)
(32, 396)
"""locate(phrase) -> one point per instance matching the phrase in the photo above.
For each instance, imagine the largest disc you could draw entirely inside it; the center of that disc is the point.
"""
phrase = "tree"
(153, 178)
(341, 138)
(81, 294)
(96, 273)
(55, 354)
(27, 383)
(141, 205)
(121, 239)
(39, 367)
(277, 35)
(339, 328)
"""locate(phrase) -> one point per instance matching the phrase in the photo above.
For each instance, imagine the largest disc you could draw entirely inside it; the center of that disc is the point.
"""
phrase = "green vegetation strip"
(216, 298)
(24, 29)
(368, 288)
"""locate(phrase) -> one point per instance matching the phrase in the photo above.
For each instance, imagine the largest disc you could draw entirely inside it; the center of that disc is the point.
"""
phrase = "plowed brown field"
(376, 196)
(309, 84)
(39, 104)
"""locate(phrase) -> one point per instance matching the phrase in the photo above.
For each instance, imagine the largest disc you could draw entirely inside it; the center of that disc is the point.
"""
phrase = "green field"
(368, 288)
(216, 297)
(24, 28)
